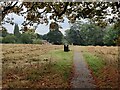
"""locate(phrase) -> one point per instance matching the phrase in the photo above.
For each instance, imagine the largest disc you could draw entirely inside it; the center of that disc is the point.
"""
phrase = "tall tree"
(117, 27)
(111, 35)
(73, 36)
(55, 37)
(26, 38)
(16, 31)
(85, 34)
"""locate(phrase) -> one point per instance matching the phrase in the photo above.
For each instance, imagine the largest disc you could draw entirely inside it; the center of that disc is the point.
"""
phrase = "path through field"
(82, 77)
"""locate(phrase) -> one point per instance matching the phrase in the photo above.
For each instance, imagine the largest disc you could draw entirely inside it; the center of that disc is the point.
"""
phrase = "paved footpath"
(82, 77)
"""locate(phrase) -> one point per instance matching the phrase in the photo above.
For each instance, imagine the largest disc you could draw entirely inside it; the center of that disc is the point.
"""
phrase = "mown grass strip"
(63, 63)
(95, 63)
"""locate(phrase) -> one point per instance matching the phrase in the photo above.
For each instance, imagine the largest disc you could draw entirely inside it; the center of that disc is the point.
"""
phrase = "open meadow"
(59, 44)
(48, 66)
(35, 66)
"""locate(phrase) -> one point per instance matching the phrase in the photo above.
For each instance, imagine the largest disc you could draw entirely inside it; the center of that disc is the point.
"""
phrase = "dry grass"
(30, 66)
(109, 54)
(21, 54)
(108, 75)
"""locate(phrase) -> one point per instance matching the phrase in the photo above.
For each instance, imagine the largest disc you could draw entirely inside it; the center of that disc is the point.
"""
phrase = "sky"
(41, 29)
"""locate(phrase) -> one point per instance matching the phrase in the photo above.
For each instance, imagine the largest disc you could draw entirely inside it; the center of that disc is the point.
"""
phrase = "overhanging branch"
(9, 7)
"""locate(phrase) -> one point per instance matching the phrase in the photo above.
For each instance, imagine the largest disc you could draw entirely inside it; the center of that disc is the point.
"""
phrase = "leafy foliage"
(111, 36)
(73, 36)
(97, 11)
(4, 32)
(9, 39)
(26, 39)
(117, 28)
(37, 41)
(85, 34)
(1, 38)
(55, 37)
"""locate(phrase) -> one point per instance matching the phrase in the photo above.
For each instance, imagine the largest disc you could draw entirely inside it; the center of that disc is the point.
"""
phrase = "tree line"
(79, 34)
(91, 34)
(28, 36)
(97, 33)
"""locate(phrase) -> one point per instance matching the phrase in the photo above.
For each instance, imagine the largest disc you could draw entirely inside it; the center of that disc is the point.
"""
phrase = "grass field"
(103, 61)
(48, 66)
(35, 66)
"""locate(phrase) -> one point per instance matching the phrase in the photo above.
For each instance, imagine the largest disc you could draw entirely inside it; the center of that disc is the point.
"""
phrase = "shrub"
(9, 39)
(37, 41)
(25, 38)
(1, 39)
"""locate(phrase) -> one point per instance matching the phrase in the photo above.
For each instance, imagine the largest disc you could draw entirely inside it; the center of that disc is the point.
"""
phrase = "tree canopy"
(91, 34)
(101, 13)
(37, 12)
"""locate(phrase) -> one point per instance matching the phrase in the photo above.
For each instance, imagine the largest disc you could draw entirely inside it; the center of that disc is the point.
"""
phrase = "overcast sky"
(42, 28)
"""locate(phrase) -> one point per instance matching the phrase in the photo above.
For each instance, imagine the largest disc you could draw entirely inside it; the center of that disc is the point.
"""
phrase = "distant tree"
(31, 33)
(111, 36)
(4, 32)
(44, 37)
(26, 38)
(1, 38)
(55, 37)
(73, 36)
(16, 31)
(9, 39)
(91, 34)
(39, 36)
(85, 34)
(37, 41)
(53, 26)
(65, 41)
(117, 27)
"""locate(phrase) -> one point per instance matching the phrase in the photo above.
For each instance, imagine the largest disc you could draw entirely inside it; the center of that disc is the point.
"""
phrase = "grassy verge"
(59, 64)
(63, 63)
(95, 63)
(106, 75)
